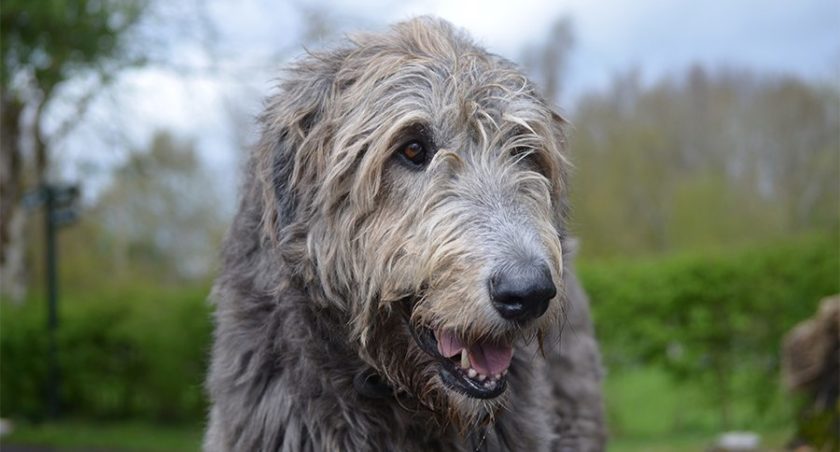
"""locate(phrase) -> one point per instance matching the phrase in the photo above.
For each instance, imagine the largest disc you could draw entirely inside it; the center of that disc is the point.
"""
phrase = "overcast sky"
(653, 36)
(657, 38)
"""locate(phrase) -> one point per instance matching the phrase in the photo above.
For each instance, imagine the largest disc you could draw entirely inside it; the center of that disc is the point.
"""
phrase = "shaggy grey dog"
(397, 277)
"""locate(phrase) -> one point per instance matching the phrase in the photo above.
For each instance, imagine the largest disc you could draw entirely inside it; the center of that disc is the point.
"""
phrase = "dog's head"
(414, 182)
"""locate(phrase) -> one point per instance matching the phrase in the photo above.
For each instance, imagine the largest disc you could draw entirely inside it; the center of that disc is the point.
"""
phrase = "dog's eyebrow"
(517, 134)
(526, 143)
(415, 131)
(522, 127)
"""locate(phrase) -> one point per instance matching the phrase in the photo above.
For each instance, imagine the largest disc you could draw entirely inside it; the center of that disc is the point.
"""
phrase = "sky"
(658, 37)
(211, 88)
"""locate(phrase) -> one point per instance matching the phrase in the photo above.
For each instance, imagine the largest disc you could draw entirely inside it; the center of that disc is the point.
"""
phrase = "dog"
(398, 276)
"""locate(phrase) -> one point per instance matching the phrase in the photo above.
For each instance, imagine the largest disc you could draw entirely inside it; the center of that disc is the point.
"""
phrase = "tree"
(704, 159)
(160, 218)
(44, 45)
(547, 62)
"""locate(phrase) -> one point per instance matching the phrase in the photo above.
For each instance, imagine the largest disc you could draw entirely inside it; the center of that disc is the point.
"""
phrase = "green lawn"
(646, 412)
(112, 435)
(770, 441)
(157, 438)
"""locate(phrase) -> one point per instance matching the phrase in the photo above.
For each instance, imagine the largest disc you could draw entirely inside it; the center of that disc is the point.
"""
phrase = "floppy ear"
(561, 193)
(294, 140)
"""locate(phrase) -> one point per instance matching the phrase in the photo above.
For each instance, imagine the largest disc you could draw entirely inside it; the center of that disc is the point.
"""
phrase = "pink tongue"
(490, 359)
(449, 344)
(486, 358)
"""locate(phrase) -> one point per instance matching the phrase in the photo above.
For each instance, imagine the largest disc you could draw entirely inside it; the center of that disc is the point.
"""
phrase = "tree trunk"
(12, 217)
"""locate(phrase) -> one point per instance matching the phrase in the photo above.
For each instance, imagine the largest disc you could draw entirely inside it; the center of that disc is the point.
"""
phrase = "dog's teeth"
(497, 376)
(465, 359)
(490, 384)
(504, 372)
(482, 377)
(472, 373)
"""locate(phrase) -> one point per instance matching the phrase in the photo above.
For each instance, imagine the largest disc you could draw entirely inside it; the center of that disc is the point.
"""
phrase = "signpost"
(60, 209)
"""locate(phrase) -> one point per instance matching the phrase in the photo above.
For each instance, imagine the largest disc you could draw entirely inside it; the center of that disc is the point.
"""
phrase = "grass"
(646, 412)
(157, 438)
(129, 436)
(646, 403)
(690, 442)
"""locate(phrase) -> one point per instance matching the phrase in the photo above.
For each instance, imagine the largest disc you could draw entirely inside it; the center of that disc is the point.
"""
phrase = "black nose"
(522, 292)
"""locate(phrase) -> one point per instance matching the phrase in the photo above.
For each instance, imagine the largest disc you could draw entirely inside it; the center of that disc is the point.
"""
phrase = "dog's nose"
(522, 292)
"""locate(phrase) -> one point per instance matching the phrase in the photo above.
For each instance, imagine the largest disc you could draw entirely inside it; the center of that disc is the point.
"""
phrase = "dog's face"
(421, 178)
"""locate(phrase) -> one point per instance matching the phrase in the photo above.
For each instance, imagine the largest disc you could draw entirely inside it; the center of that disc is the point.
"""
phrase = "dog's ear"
(291, 150)
(560, 193)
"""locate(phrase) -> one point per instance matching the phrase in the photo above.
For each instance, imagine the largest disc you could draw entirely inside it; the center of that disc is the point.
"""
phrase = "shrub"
(128, 354)
(715, 318)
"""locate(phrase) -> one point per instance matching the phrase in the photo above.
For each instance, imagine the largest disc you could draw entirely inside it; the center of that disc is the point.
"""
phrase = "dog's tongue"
(490, 359)
(487, 358)
(449, 344)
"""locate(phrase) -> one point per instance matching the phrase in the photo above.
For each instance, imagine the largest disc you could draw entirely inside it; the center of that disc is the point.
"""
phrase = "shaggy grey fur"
(341, 248)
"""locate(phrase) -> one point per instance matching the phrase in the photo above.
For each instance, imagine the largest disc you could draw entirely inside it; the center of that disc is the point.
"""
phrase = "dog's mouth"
(478, 370)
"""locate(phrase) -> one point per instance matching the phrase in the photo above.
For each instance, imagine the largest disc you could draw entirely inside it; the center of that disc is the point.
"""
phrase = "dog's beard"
(416, 381)
(419, 379)
(451, 406)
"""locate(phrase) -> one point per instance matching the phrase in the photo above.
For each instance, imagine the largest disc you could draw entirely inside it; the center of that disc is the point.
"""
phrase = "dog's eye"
(414, 152)
(520, 151)
(530, 158)
(524, 154)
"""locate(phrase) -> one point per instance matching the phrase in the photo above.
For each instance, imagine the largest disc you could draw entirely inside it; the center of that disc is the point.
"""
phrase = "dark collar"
(370, 384)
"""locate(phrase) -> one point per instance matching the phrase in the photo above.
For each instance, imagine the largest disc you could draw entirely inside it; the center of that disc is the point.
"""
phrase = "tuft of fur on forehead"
(344, 258)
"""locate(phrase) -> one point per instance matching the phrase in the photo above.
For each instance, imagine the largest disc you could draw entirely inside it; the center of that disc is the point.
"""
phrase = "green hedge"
(129, 354)
(713, 319)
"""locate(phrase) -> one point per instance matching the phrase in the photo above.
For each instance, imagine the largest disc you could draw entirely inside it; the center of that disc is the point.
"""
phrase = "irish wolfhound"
(397, 275)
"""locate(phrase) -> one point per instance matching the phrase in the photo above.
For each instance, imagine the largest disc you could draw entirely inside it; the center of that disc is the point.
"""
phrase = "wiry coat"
(336, 248)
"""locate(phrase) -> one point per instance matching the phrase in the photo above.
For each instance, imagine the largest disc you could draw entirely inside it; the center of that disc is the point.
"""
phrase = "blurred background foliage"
(706, 203)
(704, 159)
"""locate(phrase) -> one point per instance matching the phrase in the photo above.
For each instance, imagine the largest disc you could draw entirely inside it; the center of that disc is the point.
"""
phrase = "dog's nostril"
(522, 292)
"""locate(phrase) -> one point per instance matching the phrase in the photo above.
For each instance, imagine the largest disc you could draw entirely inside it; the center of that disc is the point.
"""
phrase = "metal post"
(60, 209)
(54, 375)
